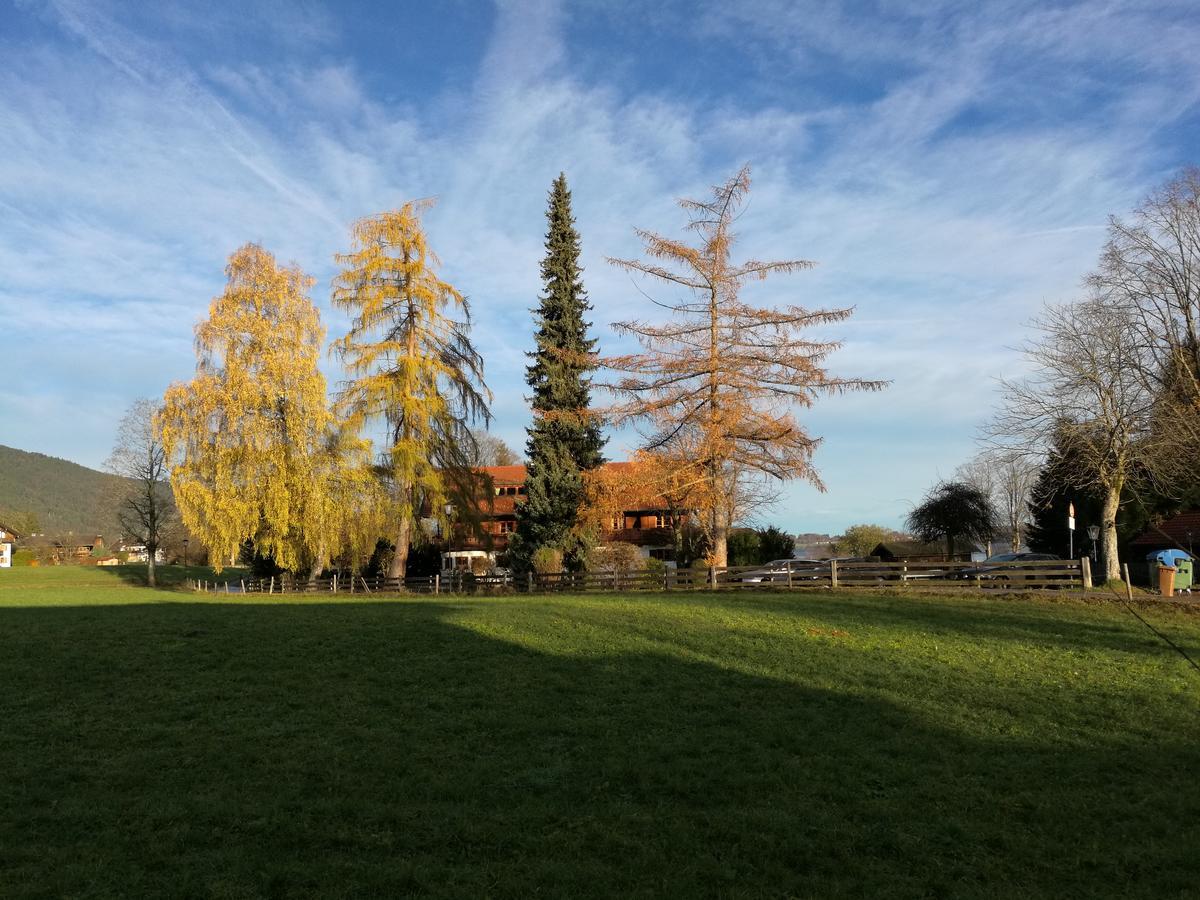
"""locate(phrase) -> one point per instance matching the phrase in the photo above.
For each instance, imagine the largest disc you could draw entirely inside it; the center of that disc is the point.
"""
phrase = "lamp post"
(1093, 533)
(185, 543)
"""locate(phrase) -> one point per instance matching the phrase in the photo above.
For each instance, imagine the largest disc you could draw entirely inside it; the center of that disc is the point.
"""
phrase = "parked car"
(887, 571)
(776, 571)
(995, 566)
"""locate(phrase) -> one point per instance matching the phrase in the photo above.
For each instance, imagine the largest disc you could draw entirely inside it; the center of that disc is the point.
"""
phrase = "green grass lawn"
(158, 743)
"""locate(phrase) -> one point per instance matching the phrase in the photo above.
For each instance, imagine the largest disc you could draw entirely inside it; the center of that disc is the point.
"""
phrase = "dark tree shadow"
(336, 749)
(172, 577)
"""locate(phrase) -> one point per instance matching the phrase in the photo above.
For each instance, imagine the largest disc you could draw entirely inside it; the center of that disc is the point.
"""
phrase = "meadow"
(161, 743)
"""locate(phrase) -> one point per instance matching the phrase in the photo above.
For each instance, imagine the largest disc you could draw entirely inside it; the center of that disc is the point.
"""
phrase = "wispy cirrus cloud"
(950, 170)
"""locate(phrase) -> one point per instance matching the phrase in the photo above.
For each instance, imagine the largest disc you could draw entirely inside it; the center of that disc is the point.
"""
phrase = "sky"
(949, 166)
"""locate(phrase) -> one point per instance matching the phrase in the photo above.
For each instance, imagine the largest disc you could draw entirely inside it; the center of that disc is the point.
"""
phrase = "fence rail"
(1035, 575)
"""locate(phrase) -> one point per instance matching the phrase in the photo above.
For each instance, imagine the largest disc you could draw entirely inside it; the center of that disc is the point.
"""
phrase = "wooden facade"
(647, 529)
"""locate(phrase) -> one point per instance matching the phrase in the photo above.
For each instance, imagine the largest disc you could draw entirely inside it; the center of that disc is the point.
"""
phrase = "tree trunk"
(1112, 564)
(318, 564)
(150, 579)
(400, 557)
(720, 548)
(720, 538)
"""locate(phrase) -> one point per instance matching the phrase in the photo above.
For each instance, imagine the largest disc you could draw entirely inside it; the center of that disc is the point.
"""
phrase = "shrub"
(616, 557)
(547, 560)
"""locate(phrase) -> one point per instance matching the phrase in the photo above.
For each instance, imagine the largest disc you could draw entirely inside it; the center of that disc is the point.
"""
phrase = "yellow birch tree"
(247, 436)
(720, 380)
(411, 364)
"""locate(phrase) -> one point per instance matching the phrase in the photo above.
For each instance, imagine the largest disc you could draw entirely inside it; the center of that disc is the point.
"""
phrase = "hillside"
(64, 496)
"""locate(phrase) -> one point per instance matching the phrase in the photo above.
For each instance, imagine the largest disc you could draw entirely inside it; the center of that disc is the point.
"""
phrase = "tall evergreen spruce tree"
(564, 440)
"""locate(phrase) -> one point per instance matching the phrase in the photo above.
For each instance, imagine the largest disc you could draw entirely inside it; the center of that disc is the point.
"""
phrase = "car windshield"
(1003, 557)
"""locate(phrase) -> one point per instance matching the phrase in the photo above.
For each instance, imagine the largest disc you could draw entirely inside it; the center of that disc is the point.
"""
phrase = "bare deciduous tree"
(1088, 389)
(490, 450)
(1151, 264)
(138, 456)
(1007, 478)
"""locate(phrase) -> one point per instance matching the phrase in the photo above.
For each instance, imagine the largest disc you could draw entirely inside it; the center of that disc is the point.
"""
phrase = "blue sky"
(950, 166)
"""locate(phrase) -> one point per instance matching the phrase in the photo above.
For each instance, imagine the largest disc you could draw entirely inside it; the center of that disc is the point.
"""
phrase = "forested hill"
(63, 496)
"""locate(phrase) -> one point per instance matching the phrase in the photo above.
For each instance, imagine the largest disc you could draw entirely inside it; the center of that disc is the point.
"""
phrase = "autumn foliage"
(250, 437)
(714, 388)
(411, 365)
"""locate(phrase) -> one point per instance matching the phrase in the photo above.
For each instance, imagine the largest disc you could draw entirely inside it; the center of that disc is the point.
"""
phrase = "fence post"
(272, 585)
(243, 585)
(833, 581)
(712, 578)
(1087, 573)
(1128, 584)
(529, 582)
(437, 583)
(789, 573)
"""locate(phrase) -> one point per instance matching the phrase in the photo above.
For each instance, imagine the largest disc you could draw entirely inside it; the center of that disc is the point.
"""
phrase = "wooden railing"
(1008, 576)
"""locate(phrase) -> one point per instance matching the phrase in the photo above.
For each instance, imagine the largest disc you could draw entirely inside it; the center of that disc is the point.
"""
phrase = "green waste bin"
(1183, 574)
(1177, 559)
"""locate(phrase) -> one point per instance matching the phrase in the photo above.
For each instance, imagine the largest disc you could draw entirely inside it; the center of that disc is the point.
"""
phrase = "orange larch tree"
(721, 378)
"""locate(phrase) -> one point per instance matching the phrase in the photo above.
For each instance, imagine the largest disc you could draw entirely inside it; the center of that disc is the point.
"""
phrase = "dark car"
(995, 566)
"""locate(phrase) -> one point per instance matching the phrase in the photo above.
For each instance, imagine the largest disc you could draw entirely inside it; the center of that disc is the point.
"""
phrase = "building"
(8, 537)
(1179, 532)
(139, 553)
(903, 551)
(647, 529)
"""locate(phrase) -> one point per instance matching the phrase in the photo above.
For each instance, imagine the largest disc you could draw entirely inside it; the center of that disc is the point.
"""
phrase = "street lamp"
(1093, 533)
(185, 543)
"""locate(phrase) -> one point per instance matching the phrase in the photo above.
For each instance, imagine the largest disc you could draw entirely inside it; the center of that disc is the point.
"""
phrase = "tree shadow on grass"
(170, 577)
(361, 749)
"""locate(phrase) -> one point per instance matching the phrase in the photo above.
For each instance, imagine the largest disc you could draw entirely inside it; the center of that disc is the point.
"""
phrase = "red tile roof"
(517, 474)
(1172, 531)
(506, 474)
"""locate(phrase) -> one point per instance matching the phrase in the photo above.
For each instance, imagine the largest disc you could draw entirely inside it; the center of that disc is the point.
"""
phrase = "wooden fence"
(1008, 576)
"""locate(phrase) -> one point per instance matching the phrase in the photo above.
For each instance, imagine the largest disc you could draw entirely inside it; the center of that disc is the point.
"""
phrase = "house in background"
(902, 551)
(1179, 532)
(646, 529)
(8, 537)
(139, 553)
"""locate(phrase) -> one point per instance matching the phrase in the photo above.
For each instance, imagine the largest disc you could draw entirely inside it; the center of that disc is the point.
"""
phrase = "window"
(521, 489)
(616, 522)
(506, 526)
(660, 521)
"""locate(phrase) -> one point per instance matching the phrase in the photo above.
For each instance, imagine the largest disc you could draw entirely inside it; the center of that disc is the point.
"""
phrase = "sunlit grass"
(164, 743)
